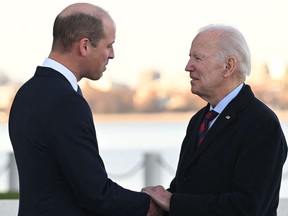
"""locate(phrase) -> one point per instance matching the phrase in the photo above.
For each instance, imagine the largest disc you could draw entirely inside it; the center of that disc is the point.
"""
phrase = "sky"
(150, 35)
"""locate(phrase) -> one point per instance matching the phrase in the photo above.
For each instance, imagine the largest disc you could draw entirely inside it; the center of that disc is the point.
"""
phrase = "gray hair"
(232, 43)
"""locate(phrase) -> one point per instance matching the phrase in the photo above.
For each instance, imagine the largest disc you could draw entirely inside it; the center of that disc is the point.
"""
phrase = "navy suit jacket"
(60, 170)
(237, 169)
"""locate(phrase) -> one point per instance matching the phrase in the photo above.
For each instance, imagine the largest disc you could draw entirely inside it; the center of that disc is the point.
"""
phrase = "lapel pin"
(227, 117)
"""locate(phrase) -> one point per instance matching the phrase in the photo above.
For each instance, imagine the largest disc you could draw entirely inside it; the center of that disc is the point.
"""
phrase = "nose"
(111, 53)
(189, 66)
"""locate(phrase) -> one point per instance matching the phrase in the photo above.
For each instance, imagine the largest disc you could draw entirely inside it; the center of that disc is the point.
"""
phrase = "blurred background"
(144, 94)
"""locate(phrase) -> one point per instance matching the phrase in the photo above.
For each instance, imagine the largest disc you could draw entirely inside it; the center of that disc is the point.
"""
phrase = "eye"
(110, 45)
(197, 58)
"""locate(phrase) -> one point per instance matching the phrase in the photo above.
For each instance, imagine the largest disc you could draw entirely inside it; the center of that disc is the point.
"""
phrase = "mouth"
(194, 79)
(105, 66)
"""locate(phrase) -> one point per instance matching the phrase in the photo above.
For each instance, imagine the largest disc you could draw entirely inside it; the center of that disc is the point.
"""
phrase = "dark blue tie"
(79, 90)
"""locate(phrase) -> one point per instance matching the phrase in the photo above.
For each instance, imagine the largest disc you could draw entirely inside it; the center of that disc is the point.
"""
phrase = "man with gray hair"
(232, 156)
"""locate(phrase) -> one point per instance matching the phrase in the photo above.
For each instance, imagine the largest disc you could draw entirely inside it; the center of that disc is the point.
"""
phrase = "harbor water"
(123, 146)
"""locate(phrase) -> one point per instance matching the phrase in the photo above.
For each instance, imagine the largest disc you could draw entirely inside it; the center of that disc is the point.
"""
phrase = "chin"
(95, 77)
(99, 76)
(194, 91)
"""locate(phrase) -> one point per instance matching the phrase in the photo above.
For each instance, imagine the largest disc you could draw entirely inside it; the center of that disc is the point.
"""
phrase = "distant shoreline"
(161, 117)
(144, 117)
(150, 117)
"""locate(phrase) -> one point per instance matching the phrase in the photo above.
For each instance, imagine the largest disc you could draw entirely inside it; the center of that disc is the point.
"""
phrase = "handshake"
(160, 200)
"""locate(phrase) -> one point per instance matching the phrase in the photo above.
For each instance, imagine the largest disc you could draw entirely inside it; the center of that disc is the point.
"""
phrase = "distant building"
(7, 93)
(277, 68)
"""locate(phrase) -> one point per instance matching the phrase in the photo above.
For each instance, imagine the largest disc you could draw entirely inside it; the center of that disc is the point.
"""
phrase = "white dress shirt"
(63, 70)
(224, 102)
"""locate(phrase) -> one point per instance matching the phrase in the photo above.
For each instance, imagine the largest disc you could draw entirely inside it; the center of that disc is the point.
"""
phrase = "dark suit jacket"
(60, 169)
(237, 170)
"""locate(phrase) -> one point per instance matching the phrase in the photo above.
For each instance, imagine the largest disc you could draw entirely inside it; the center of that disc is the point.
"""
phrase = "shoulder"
(248, 105)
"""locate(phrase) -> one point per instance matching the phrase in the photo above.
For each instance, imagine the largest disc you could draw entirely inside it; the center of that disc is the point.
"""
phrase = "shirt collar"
(226, 100)
(63, 70)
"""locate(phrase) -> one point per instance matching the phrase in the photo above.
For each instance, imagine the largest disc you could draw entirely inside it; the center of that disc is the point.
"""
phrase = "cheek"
(215, 80)
(103, 56)
(210, 78)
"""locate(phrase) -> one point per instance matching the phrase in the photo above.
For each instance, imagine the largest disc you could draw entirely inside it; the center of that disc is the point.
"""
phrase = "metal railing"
(152, 165)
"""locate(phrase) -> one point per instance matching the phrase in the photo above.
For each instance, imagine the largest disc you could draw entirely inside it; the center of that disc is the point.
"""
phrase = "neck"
(218, 95)
(67, 61)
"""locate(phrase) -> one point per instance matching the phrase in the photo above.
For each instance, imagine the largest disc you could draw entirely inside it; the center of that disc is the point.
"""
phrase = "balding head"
(84, 8)
(77, 21)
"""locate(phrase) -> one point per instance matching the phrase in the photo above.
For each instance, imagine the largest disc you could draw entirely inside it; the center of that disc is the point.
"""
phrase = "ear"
(83, 46)
(230, 66)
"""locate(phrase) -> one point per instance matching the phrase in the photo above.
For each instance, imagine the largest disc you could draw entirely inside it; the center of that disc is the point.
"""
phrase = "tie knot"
(211, 115)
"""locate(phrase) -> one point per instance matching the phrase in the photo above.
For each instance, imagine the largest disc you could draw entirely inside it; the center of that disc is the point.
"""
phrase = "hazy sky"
(151, 34)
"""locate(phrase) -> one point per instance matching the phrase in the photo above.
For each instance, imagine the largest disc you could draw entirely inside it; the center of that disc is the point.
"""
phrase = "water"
(123, 145)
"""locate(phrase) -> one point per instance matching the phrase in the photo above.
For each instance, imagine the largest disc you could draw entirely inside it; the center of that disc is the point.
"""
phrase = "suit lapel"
(190, 142)
(225, 119)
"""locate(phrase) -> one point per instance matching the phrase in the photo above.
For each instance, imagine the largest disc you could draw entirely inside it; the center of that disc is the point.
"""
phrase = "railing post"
(13, 174)
(152, 168)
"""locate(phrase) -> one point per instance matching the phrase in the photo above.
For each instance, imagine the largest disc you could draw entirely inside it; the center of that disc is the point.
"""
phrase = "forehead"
(205, 43)
(109, 27)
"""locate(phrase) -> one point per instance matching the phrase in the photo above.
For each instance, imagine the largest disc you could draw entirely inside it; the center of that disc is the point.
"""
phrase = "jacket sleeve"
(72, 136)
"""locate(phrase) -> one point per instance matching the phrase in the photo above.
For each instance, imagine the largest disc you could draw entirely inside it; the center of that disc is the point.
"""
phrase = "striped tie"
(204, 125)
